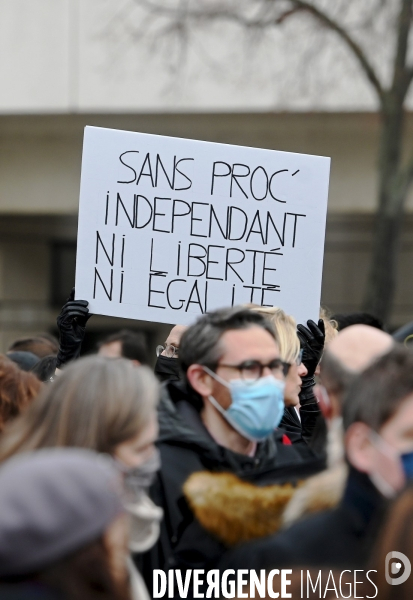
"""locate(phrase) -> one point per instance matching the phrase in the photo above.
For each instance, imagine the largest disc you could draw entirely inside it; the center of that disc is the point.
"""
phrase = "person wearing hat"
(63, 532)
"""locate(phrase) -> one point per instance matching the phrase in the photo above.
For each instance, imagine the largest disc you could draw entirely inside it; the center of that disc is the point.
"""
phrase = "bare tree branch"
(214, 12)
(357, 51)
(402, 76)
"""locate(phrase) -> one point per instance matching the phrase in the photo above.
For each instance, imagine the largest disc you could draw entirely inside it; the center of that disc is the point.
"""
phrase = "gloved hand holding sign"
(312, 340)
(71, 324)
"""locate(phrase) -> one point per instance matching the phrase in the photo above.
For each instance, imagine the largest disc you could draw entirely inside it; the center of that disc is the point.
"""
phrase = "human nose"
(302, 370)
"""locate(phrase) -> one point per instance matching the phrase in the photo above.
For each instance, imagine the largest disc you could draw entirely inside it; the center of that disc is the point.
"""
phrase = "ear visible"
(359, 449)
(200, 380)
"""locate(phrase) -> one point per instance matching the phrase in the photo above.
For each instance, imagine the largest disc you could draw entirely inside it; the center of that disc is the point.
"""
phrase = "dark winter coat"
(186, 447)
(341, 538)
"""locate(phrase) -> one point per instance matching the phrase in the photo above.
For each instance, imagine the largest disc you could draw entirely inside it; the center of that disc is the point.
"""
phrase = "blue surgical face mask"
(406, 461)
(407, 464)
(257, 406)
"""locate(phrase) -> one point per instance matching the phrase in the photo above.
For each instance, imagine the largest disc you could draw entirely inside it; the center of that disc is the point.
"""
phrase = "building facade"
(54, 82)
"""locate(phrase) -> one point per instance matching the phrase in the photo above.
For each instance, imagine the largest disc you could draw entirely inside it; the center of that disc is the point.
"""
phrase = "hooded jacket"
(186, 447)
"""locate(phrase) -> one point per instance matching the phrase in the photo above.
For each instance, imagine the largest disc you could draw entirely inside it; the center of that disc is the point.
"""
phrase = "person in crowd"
(330, 325)
(108, 406)
(63, 534)
(352, 351)
(167, 365)
(41, 345)
(126, 344)
(301, 408)
(222, 419)
(395, 535)
(26, 361)
(45, 369)
(357, 318)
(378, 423)
(71, 324)
(18, 389)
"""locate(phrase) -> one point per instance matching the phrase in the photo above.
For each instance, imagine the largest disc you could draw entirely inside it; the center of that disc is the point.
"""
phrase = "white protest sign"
(172, 228)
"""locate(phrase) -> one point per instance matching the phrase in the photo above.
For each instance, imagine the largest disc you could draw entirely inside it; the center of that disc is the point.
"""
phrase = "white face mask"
(376, 478)
(144, 523)
(143, 515)
(335, 442)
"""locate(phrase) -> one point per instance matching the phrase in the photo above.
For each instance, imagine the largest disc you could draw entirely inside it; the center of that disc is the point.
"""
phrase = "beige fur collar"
(233, 510)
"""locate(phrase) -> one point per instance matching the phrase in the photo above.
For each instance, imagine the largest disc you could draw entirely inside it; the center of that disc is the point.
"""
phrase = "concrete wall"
(108, 56)
(40, 156)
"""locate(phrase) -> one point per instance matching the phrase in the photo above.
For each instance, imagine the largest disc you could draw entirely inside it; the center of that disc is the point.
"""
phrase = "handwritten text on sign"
(172, 228)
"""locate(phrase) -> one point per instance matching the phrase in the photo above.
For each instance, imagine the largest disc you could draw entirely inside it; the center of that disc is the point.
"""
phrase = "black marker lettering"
(218, 174)
(149, 173)
(295, 215)
(265, 268)
(259, 230)
(176, 170)
(119, 201)
(212, 213)
(229, 263)
(152, 291)
(198, 258)
(108, 294)
(193, 218)
(179, 258)
(128, 166)
(252, 288)
(121, 288)
(254, 253)
(123, 252)
(198, 299)
(177, 214)
(206, 296)
(229, 223)
(158, 214)
(159, 162)
(99, 239)
(273, 288)
(212, 262)
(265, 186)
(235, 176)
(167, 295)
(269, 187)
(269, 218)
(137, 197)
(233, 295)
(107, 208)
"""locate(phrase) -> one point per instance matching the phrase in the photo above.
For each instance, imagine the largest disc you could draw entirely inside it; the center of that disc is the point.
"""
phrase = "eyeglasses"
(297, 361)
(168, 350)
(251, 370)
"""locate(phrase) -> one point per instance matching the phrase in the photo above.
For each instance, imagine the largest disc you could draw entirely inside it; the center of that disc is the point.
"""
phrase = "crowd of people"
(256, 445)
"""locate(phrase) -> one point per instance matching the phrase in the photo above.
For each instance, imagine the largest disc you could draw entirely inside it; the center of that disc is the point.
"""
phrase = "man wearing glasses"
(222, 417)
(167, 365)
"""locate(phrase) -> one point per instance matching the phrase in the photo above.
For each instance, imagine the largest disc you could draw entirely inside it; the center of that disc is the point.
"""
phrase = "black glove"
(71, 324)
(312, 340)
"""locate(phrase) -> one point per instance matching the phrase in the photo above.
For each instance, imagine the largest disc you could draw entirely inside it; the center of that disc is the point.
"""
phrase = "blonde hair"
(285, 328)
(331, 326)
(95, 403)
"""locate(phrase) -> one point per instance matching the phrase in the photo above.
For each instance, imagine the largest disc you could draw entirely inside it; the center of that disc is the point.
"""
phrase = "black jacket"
(339, 538)
(187, 447)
